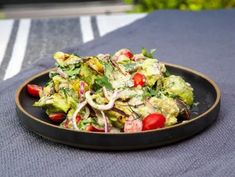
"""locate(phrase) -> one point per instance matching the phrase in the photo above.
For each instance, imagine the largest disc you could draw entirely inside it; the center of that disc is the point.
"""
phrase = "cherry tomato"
(138, 79)
(57, 117)
(78, 119)
(153, 121)
(91, 128)
(34, 90)
(125, 52)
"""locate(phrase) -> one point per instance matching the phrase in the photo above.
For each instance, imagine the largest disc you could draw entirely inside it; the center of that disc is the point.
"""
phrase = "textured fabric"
(204, 41)
(26, 41)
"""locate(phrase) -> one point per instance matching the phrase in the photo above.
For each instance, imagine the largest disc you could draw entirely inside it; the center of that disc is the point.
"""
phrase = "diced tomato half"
(125, 52)
(34, 89)
(57, 117)
(138, 79)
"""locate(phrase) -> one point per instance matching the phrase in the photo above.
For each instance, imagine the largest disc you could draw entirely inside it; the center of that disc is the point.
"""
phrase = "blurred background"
(51, 8)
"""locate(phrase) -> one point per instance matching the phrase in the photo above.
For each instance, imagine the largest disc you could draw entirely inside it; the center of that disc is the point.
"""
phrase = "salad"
(124, 92)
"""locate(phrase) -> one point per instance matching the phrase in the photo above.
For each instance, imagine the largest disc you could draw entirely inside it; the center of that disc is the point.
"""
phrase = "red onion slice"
(82, 89)
(79, 107)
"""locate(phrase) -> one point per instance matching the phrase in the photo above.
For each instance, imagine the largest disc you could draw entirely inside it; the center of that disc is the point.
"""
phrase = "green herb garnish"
(148, 54)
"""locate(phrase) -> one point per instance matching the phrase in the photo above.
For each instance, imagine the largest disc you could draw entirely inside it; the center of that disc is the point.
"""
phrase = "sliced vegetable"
(92, 128)
(87, 74)
(82, 89)
(105, 122)
(152, 71)
(138, 79)
(79, 107)
(123, 59)
(78, 119)
(57, 117)
(34, 89)
(102, 81)
(148, 54)
(153, 121)
(125, 52)
(108, 106)
(176, 86)
(95, 64)
(184, 113)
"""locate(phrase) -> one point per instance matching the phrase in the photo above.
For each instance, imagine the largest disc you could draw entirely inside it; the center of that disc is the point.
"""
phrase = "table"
(24, 41)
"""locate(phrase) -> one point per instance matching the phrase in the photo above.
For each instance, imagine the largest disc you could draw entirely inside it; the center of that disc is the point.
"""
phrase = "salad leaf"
(83, 123)
(102, 81)
(55, 102)
(87, 74)
(108, 69)
(95, 64)
(149, 92)
(72, 72)
(148, 54)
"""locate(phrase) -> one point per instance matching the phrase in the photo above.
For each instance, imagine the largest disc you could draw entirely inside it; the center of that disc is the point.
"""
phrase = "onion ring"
(79, 107)
(108, 106)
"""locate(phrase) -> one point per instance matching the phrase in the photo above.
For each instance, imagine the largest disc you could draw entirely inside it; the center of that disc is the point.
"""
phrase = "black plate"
(206, 93)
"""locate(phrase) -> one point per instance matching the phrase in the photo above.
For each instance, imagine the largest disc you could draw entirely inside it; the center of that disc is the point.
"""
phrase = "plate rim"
(216, 102)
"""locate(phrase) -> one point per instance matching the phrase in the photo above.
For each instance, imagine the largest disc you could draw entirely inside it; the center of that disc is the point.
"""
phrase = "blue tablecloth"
(24, 41)
(204, 41)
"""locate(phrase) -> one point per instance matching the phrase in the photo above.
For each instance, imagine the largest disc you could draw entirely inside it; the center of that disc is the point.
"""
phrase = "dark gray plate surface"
(206, 93)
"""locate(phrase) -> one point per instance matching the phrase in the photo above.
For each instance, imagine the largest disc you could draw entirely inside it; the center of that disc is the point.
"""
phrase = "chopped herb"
(135, 113)
(102, 81)
(147, 54)
(48, 83)
(65, 91)
(52, 74)
(167, 73)
(149, 92)
(83, 123)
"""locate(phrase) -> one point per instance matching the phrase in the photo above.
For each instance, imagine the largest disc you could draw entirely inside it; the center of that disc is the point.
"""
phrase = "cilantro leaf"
(102, 81)
(148, 54)
(149, 92)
